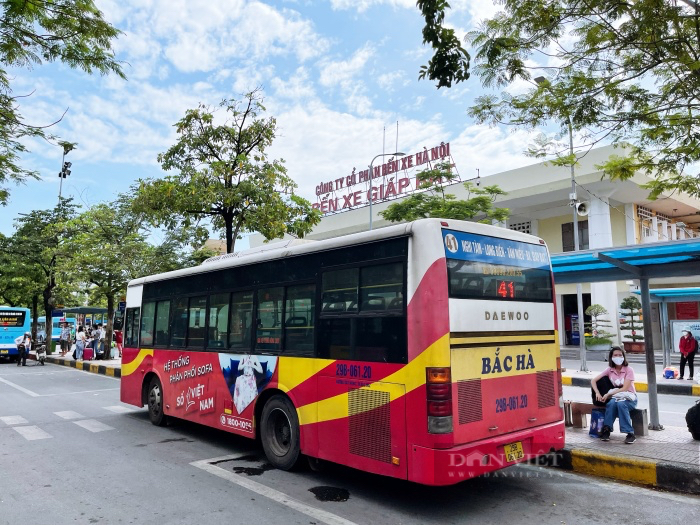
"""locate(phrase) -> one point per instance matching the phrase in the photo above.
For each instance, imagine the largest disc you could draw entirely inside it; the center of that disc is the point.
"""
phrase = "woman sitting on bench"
(621, 398)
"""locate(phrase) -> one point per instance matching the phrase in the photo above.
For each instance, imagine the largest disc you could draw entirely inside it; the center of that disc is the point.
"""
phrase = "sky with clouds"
(335, 74)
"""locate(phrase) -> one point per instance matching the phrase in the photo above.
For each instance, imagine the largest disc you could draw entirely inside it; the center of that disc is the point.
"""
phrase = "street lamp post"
(579, 290)
(65, 166)
(369, 194)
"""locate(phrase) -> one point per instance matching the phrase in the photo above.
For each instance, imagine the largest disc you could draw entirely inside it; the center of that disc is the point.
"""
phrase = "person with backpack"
(24, 344)
(688, 347)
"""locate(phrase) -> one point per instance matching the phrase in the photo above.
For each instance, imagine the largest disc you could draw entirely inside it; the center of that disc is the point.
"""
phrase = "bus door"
(362, 423)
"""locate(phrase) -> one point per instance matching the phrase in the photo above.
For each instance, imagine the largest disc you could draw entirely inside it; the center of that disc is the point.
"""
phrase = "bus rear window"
(12, 319)
(476, 280)
(493, 268)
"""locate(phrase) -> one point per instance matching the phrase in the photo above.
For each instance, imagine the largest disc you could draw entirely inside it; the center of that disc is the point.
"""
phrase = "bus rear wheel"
(155, 403)
(279, 433)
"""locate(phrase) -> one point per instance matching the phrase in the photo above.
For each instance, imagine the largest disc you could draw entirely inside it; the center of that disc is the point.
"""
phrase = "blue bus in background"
(55, 327)
(14, 322)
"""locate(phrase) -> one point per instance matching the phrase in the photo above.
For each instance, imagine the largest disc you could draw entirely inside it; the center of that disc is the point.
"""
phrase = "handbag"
(597, 419)
(604, 385)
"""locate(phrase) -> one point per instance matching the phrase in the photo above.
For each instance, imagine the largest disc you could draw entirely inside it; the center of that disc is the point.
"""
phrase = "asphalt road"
(72, 453)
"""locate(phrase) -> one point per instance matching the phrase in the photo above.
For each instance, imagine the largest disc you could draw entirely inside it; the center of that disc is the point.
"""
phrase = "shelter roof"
(660, 259)
(85, 310)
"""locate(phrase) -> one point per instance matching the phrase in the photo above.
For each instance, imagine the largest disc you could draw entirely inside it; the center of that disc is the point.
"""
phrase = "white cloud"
(345, 72)
(363, 5)
(387, 81)
(297, 86)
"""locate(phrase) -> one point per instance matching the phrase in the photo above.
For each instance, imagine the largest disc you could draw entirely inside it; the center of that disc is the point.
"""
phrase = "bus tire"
(279, 433)
(155, 403)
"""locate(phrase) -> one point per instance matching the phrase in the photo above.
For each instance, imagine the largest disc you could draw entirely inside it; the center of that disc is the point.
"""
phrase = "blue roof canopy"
(661, 259)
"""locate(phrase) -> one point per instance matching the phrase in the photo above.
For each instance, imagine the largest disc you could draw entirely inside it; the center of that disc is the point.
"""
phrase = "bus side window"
(241, 320)
(131, 338)
(218, 321)
(147, 323)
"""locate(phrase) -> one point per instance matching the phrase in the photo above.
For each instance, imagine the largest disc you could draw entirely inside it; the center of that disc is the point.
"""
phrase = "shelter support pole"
(581, 329)
(649, 347)
(665, 333)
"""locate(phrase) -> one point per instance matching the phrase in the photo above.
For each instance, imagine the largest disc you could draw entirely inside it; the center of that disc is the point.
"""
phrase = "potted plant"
(632, 310)
(599, 338)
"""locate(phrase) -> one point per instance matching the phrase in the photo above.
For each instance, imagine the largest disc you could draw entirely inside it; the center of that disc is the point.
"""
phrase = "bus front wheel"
(279, 433)
(155, 403)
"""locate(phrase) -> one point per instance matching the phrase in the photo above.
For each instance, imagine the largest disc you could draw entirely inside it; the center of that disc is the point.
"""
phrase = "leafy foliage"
(226, 177)
(626, 73)
(36, 31)
(434, 202)
(36, 246)
(450, 63)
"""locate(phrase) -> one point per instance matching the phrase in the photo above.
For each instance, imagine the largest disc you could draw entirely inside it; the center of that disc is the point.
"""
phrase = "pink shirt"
(618, 378)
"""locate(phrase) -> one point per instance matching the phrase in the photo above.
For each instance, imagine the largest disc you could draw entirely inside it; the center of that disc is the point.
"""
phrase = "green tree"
(226, 177)
(37, 243)
(108, 247)
(624, 72)
(33, 32)
(435, 202)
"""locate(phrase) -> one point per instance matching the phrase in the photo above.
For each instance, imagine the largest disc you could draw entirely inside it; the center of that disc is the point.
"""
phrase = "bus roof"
(290, 248)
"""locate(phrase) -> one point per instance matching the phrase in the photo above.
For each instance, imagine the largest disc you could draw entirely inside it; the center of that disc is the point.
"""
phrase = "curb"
(661, 388)
(87, 366)
(663, 475)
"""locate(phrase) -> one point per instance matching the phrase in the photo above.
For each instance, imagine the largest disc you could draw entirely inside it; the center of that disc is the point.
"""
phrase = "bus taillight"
(438, 389)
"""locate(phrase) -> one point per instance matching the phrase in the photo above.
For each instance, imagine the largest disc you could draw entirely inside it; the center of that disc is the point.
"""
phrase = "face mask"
(618, 360)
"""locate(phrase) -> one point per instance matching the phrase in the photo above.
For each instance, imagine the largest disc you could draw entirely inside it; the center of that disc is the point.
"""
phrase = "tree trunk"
(230, 241)
(48, 312)
(35, 315)
(107, 354)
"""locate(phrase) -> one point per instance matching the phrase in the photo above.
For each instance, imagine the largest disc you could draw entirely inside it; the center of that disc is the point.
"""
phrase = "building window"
(525, 227)
(567, 236)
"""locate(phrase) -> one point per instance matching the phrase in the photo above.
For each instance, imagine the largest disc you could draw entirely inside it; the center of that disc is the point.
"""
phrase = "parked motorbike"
(40, 349)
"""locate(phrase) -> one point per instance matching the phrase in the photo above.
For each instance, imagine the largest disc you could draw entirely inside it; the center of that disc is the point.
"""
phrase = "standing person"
(65, 339)
(119, 338)
(24, 344)
(95, 334)
(621, 398)
(688, 347)
(102, 338)
(80, 342)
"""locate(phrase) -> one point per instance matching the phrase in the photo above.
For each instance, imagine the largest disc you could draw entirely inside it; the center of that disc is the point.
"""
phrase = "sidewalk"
(109, 367)
(572, 376)
(667, 459)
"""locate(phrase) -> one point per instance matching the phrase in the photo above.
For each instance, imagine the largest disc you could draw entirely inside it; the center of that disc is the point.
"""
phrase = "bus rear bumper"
(453, 465)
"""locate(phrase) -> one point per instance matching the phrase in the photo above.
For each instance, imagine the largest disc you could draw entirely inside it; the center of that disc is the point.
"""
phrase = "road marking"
(68, 414)
(32, 433)
(275, 495)
(118, 409)
(14, 420)
(93, 425)
(20, 388)
(633, 490)
(78, 392)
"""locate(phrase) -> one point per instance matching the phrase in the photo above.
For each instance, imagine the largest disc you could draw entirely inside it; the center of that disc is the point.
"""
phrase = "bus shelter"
(664, 296)
(641, 262)
(82, 311)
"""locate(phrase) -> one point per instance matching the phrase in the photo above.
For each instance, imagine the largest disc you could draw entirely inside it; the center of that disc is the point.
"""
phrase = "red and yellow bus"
(424, 351)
